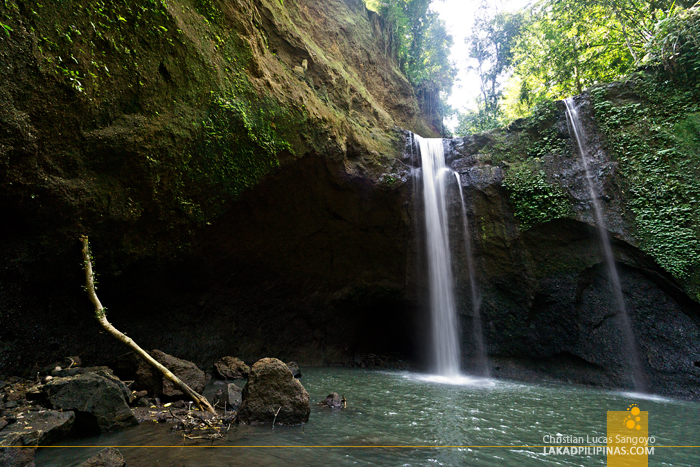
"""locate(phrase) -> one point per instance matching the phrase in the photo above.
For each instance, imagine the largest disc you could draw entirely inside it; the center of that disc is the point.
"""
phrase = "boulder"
(294, 368)
(333, 401)
(100, 403)
(273, 394)
(41, 428)
(231, 368)
(149, 379)
(108, 457)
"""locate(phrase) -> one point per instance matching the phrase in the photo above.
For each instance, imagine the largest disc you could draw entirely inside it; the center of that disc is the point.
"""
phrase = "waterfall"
(441, 283)
(604, 241)
(480, 361)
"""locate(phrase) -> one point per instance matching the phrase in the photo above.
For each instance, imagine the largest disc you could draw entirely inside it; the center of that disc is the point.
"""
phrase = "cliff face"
(197, 143)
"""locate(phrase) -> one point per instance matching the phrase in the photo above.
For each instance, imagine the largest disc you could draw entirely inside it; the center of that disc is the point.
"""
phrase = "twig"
(273, 420)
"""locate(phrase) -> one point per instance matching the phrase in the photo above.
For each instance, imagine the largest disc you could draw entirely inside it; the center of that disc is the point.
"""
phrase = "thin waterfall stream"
(632, 354)
(481, 365)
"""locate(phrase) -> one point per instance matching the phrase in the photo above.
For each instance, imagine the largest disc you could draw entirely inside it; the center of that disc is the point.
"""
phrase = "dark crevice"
(165, 73)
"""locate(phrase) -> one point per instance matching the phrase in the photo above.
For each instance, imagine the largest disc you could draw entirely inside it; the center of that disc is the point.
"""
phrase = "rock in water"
(99, 403)
(235, 396)
(272, 389)
(294, 368)
(333, 400)
(108, 457)
(231, 368)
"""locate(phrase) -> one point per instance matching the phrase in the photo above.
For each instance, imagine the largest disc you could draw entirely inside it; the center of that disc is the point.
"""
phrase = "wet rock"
(188, 372)
(142, 402)
(108, 457)
(234, 396)
(333, 401)
(231, 368)
(41, 428)
(13, 454)
(65, 363)
(103, 370)
(380, 361)
(145, 377)
(273, 394)
(294, 368)
(229, 397)
(181, 404)
(100, 403)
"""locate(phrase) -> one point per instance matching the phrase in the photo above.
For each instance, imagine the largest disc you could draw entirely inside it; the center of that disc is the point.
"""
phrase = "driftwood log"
(101, 316)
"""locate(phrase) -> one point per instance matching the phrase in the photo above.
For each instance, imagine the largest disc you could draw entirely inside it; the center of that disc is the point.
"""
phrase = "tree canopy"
(557, 48)
(419, 41)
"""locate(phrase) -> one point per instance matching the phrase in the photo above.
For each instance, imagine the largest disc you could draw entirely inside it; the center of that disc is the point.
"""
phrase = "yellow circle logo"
(631, 420)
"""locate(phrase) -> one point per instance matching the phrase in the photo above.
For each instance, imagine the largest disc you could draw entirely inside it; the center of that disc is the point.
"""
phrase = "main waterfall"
(445, 331)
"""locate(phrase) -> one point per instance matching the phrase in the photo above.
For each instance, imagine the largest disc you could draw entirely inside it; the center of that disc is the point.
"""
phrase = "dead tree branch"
(101, 316)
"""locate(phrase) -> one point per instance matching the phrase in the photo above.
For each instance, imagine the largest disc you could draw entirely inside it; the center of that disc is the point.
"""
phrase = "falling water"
(604, 241)
(441, 283)
(481, 364)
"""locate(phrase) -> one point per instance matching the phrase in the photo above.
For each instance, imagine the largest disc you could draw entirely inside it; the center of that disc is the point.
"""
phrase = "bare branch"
(101, 316)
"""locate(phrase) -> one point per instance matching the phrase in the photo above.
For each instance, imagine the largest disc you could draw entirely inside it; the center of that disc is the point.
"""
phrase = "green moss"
(210, 11)
(241, 144)
(535, 201)
(654, 138)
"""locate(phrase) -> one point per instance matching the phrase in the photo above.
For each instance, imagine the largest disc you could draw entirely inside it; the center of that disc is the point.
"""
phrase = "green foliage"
(676, 45)
(557, 48)
(6, 28)
(491, 46)
(241, 143)
(655, 141)
(568, 46)
(534, 199)
(417, 38)
(477, 121)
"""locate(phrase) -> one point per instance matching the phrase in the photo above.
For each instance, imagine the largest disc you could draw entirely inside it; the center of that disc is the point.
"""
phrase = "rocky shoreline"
(63, 403)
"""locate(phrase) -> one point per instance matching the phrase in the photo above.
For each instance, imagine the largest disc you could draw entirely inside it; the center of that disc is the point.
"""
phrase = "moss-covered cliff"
(546, 298)
(143, 124)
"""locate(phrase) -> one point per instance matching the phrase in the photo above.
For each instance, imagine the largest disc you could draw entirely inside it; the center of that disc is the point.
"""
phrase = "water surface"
(404, 409)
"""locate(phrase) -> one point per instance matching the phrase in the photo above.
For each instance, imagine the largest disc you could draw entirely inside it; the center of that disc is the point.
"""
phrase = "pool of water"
(406, 419)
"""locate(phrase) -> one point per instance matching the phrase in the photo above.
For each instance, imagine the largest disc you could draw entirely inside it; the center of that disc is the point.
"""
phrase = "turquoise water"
(402, 409)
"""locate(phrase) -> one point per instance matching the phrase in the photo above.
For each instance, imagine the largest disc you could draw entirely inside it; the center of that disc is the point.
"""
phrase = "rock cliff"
(547, 304)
